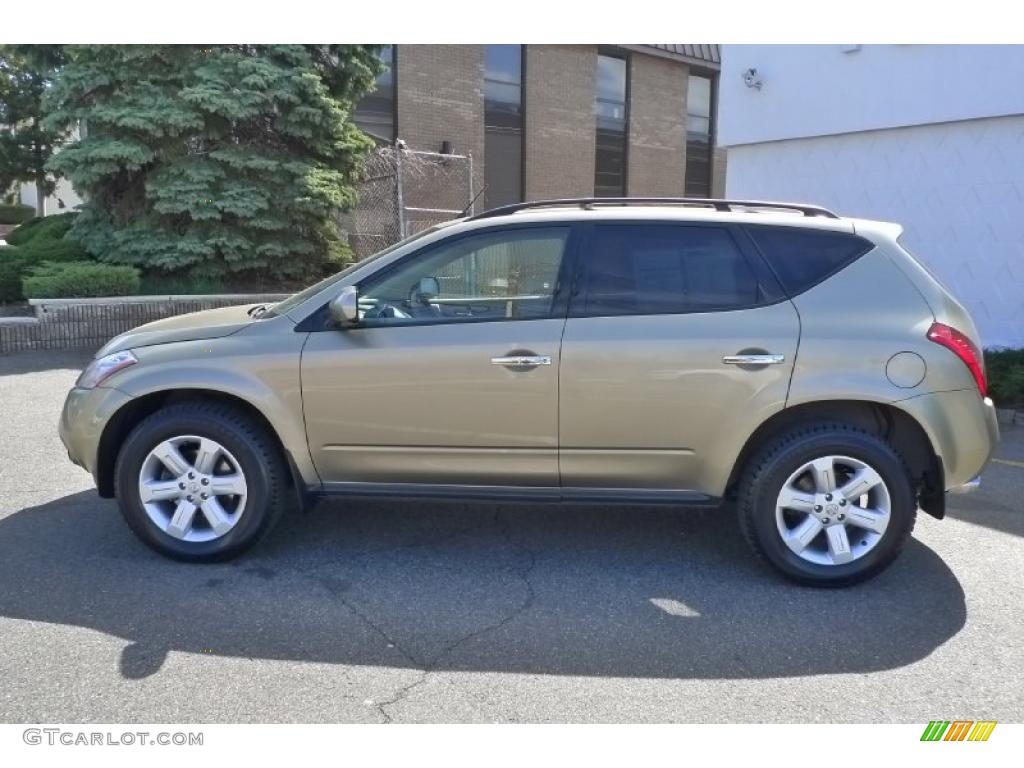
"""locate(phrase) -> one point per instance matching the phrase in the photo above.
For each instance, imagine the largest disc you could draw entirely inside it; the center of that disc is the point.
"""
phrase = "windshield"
(296, 299)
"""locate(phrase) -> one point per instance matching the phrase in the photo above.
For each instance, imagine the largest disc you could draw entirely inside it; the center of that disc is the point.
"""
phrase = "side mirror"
(345, 307)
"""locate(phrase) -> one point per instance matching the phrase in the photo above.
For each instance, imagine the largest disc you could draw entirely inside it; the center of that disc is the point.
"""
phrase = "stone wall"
(76, 323)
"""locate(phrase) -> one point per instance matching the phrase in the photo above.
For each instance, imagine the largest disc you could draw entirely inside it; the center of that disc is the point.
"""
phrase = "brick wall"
(657, 129)
(560, 128)
(67, 324)
(440, 98)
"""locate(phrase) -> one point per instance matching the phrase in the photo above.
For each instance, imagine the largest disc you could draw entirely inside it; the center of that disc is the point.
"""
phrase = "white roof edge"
(663, 213)
(888, 229)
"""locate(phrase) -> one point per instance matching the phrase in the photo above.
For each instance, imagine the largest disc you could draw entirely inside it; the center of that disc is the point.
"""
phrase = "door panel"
(648, 403)
(452, 374)
(425, 404)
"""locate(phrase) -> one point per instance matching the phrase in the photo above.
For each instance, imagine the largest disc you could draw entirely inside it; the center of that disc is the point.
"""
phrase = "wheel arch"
(131, 413)
(884, 420)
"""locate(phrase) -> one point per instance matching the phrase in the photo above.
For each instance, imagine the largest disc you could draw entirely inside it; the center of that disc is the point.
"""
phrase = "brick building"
(546, 121)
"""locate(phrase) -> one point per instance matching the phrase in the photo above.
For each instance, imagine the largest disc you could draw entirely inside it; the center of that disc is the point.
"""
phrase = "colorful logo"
(958, 730)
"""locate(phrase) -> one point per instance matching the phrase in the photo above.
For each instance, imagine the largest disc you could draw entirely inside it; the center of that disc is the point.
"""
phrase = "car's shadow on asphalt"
(617, 592)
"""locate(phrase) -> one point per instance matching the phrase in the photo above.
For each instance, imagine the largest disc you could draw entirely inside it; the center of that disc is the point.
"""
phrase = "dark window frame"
(767, 283)
(522, 121)
(394, 100)
(616, 53)
(712, 76)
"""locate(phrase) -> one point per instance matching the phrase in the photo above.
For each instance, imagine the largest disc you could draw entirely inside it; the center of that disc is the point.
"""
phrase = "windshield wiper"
(258, 310)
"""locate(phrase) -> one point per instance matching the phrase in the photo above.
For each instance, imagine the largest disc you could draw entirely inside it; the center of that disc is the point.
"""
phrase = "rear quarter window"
(802, 258)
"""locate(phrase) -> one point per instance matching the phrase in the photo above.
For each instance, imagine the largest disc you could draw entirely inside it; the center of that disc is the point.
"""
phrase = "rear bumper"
(963, 430)
(969, 487)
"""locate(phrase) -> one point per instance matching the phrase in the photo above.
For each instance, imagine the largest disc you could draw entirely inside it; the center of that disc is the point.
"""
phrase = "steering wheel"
(387, 310)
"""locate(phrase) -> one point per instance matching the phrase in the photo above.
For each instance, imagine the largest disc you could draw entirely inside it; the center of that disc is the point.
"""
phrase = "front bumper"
(82, 421)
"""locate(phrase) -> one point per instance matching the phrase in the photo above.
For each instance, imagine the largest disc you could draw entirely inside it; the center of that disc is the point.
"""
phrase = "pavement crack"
(391, 642)
(525, 562)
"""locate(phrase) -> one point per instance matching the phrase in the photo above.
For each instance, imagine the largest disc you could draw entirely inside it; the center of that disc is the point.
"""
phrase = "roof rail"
(588, 203)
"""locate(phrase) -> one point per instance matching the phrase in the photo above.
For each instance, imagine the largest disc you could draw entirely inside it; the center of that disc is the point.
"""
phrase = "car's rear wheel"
(200, 481)
(827, 505)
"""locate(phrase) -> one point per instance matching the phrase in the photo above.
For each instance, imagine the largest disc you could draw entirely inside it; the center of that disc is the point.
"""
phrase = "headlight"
(103, 368)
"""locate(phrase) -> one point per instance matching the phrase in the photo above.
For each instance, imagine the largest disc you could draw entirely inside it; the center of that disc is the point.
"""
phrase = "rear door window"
(651, 269)
(803, 258)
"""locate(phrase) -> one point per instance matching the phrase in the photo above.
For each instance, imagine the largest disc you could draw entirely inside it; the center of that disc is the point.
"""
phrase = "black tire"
(770, 468)
(256, 452)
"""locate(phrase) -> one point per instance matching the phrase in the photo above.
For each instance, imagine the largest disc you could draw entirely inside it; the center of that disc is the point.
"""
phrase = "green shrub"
(45, 228)
(12, 266)
(16, 214)
(1005, 372)
(174, 284)
(80, 279)
(34, 243)
(23, 232)
(41, 249)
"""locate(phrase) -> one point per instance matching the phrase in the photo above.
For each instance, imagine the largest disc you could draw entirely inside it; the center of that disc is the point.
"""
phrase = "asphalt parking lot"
(405, 612)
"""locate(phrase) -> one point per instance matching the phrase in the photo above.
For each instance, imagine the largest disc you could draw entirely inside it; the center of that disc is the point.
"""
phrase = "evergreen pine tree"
(214, 159)
(26, 72)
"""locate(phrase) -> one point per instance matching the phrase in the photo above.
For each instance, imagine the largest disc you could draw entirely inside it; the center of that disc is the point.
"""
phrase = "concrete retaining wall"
(73, 323)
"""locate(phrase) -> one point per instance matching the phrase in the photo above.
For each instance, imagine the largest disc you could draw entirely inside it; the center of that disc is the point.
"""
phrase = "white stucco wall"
(957, 188)
(812, 90)
(953, 175)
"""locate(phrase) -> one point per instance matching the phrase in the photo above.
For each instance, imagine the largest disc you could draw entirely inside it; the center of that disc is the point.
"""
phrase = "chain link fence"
(403, 192)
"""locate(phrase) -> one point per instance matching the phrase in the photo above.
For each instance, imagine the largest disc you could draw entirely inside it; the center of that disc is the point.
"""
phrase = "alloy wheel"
(192, 488)
(833, 510)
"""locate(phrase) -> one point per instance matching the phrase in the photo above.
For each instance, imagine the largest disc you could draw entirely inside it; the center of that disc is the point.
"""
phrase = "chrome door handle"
(521, 361)
(753, 359)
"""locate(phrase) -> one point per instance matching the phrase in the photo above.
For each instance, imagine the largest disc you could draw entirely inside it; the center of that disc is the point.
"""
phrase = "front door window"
(507, 275)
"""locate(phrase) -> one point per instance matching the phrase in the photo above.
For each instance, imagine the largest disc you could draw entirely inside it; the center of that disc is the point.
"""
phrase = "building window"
(698, 137)
(612, 116)
(375, 112)
(503, 124)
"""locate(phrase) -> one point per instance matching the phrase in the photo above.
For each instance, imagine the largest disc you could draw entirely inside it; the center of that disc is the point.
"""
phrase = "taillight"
(962, 347)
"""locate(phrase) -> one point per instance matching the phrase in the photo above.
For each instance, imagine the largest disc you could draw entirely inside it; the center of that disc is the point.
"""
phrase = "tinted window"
(503, 124)
(698, 137)
(507, 275)
(803, 257)
(611, 115)
(375, 112)
(663, 269)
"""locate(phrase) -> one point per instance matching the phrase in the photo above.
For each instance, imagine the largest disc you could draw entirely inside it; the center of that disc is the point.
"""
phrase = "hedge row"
(80, 280)
(43, 228)
(1005, 372)
(35, 243)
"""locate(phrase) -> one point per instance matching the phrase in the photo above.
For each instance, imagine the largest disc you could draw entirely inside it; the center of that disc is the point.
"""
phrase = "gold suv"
(802, 366)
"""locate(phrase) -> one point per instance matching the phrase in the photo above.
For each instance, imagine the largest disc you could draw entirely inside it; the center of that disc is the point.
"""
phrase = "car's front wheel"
(827, 505)
(200, 481)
